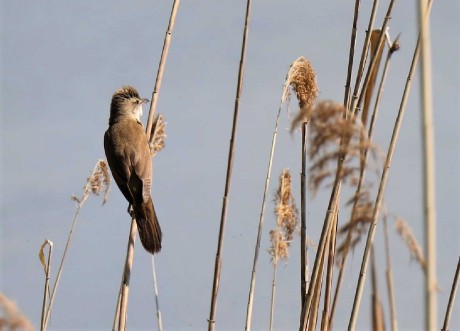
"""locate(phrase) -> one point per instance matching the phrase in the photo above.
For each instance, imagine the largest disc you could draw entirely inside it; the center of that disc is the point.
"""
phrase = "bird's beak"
(145, 100)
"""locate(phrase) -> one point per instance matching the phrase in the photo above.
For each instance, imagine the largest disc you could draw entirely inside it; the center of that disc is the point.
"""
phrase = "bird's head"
(126, 102)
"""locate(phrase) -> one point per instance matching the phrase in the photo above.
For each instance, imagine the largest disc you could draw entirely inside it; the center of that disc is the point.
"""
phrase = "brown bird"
(128, 154)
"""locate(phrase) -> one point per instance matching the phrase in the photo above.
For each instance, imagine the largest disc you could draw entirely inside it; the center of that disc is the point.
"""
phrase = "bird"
(128, 155)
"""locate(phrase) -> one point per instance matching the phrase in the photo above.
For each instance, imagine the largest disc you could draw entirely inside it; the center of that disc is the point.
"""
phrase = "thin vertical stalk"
(47, 287)
(361, 178)
(272, 303)
(261, 224)
(303, 217)
(157, 302)
(133, 230)
(328, 222)
(325, 320)
(356, 100)
(223, 218)
(161, 66)
(365, 50)
(428, 175)
(58, 277)
(117, 310)
(316, 296)
(389, 276)
(379, 198)
(450, 305)
(127, 276)
(351, 54)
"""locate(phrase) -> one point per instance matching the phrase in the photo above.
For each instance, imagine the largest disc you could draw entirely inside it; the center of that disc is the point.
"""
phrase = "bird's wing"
(119, 168)
(141, 160)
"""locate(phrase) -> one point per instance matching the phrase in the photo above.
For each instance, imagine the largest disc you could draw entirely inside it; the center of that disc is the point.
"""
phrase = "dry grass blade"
(373, 75)
(406, 234)
(11, 318)
(302, 79)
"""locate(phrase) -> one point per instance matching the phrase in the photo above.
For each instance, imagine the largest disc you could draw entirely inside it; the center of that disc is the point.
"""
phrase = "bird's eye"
(138, 101)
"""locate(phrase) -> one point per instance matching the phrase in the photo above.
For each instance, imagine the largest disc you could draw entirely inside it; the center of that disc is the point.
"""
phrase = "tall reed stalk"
(151, 132)
(379, 198)
(351, 55)
(358, 98)
(389, 278)
(47, 269)
(303, 218)
(428, 173)
(261, 224)
(364, 52)
(223, 218)
(393, 48)
(450, 305)
(157, 301)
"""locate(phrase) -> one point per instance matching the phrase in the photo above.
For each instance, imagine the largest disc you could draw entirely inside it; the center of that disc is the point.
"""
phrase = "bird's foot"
(130, 210)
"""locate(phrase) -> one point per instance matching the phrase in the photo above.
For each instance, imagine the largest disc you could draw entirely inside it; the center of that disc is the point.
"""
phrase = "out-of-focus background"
(61, 62)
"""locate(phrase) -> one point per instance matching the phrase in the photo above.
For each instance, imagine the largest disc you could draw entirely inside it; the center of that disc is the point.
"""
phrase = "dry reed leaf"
(11, 318)
(302, 79)
(375, 35)
(406, 234)
(41, 254)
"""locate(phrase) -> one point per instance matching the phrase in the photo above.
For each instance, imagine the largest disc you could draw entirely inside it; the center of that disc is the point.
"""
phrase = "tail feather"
(148, 227)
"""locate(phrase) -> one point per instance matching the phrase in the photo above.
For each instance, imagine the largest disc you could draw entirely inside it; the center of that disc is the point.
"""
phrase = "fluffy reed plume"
(286, 225)
(302, 79)
(357, 226)
(98, 182)
(328, 128)
(11, 318)
(406, 234)
(286, 218)
(158, 136)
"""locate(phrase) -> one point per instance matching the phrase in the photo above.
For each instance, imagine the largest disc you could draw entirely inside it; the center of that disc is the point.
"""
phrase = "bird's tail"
(148, 226)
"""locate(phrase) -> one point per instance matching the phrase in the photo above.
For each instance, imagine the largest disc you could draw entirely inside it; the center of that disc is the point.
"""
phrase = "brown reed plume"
(11, 318)
(328, 128)
(415, 250)
(286, 226)
(299, 79)
(302, 79)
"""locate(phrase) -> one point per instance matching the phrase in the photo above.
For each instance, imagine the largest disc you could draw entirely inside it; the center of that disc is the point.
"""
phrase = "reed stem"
(223, 218)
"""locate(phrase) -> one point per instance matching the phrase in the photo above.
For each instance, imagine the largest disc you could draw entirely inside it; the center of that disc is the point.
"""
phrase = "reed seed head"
(11, 318)
(302, 79)
(158, 142)
(328, 129)
(406, 234)
(286, 218)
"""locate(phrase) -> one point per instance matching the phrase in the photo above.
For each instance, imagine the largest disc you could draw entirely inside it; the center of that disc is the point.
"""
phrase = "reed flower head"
(331, 137)
(406, 234)
(98, 182)
(302, 79)
(159, 135)
(286, 218)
